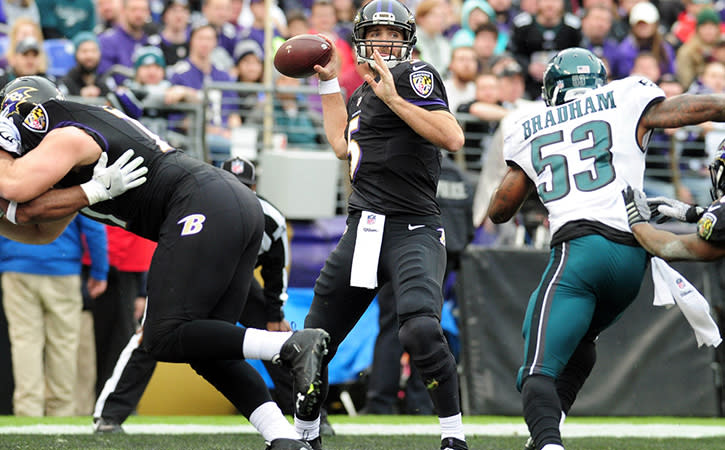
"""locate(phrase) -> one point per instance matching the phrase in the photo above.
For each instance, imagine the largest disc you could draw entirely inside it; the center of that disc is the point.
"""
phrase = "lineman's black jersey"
(140, 210)
(394, 170)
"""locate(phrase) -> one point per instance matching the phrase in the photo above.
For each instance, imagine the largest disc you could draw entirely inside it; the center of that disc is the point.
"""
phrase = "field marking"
(568, 430)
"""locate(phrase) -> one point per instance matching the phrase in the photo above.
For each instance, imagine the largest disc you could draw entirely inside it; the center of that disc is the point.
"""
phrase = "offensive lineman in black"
(390, 131)
(208, 227)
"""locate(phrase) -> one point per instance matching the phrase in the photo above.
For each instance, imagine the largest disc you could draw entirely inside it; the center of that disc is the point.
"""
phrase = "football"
(298, 55)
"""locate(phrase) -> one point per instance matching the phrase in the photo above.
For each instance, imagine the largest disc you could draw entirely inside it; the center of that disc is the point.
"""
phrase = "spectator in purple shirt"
(120, 42)
(196, 71)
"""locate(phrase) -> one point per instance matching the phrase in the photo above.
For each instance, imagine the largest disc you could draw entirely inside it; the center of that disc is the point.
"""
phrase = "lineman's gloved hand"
(110, 182)
(637, 208)
(664, 208)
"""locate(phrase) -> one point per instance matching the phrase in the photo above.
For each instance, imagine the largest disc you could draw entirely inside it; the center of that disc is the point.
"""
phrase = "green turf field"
(360, 433)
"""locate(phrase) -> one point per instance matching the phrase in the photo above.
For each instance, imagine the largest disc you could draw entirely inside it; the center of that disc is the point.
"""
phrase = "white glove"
(675, 209)
(9, 136)
(110, 182)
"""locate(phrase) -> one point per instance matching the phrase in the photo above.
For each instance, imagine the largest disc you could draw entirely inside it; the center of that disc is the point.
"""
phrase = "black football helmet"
(383, 12)
(717, 173)
(571, 73)
(22, 94)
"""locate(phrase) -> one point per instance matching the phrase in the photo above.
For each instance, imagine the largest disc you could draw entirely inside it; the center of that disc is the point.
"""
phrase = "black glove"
(668, 208)
(636, 203)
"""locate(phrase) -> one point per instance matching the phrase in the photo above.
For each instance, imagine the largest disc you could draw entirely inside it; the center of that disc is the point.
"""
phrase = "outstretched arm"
(675, 247)
(684, 110)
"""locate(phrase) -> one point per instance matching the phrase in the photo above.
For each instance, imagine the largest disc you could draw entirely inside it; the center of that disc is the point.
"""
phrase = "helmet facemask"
(384, 12)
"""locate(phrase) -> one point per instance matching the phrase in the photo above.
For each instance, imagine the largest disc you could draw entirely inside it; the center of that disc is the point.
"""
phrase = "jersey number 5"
(598, 132)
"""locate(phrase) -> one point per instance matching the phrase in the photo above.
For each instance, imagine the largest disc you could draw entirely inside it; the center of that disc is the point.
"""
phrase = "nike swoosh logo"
(414, 227)
(418, 67)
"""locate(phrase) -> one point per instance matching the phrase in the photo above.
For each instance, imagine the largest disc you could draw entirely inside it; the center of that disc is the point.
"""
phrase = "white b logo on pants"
(192, 224)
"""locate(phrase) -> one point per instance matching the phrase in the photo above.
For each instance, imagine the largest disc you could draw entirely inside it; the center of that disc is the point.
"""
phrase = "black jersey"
(394, 170)
(140, 210)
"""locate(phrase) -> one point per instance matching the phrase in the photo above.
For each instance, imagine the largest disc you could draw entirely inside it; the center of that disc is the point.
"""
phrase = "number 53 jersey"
(580, 155)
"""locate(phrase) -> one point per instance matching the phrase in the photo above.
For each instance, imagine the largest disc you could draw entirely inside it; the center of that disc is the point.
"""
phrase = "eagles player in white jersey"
(578, 154)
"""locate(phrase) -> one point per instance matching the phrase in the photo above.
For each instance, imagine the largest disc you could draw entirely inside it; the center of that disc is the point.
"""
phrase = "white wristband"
(329, 87)
(12, 208)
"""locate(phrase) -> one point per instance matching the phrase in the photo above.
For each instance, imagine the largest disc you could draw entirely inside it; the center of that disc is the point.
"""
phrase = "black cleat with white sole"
(302, 353)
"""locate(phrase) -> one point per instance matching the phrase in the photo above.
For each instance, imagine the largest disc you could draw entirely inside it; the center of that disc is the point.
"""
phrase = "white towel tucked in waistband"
(671, 288)
(364, 271)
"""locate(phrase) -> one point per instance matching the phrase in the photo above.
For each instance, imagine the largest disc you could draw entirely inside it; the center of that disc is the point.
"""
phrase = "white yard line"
(568, 430)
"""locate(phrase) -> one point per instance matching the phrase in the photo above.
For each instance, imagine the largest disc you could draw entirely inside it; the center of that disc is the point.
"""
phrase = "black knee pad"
(422, 337)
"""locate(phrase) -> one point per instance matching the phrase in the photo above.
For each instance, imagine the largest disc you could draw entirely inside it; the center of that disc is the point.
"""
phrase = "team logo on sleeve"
(422, 82)
(706, 225)
(37, 119)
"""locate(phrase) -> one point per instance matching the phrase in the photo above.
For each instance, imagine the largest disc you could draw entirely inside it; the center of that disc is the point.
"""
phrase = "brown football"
(298, 55)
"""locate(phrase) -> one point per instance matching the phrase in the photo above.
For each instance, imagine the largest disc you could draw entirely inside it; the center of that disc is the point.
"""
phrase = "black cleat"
(315, 443)
(302, 353)
(106, 426)
(288, 444)
(451, 443)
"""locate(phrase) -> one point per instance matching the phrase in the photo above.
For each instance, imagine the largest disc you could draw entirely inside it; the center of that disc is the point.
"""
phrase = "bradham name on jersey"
(568, 111)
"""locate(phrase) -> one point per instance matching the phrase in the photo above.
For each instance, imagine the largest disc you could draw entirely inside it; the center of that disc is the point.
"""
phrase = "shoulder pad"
(572, 20)
(523, 19)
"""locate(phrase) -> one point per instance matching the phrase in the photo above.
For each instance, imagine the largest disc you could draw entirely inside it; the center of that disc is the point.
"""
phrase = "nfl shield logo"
(237, 167)
(680, 283)
(422, 82)
(371, 219)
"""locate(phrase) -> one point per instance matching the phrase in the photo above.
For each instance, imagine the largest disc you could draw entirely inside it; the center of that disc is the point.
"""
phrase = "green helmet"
(571, 73)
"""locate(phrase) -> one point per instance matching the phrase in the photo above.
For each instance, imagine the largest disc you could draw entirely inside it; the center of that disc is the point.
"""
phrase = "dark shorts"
(412, 260)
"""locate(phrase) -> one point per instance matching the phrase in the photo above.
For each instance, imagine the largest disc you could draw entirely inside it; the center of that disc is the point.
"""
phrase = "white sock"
(263, 344)
(270, 422)
(563, 417)
(552, 447)
(307, 429)
(452, 427)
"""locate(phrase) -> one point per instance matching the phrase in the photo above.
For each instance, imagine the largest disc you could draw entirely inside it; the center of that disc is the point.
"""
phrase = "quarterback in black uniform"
(706, 244)
(208, 227)
(390, 131)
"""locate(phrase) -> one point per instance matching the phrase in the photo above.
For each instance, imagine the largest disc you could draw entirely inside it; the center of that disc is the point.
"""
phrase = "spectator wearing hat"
(686, 23)
(249, 68)
(66, 18)
(176, 21)
(697, 51)
(474, 13)
(644, 35)
(23, 28)
(26, 60)
(119, 43)
(83, 79)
